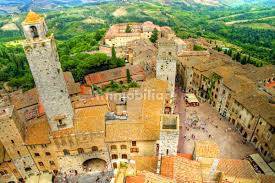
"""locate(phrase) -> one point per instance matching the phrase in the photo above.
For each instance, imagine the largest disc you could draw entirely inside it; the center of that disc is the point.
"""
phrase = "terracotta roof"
(147, 163)
(167, 166)
(21, 100)
(236, 168)
(90, 119)
(136, 71)
(135, 179)
(73, 87)
(32, 18)
(24, 99)
(266, 178)
(187, 170)
(127, 131)
(206, 149)
(37, 131)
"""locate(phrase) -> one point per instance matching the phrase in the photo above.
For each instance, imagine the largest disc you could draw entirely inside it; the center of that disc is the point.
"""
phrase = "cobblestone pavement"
(210, 126)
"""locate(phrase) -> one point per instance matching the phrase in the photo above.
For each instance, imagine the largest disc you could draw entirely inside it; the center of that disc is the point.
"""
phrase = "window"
(41, 163)
(48, 153)
(44, 145)
(51, 162)
(66, 152)
(12, 141)
(18, 152)
(124, 156)
(248, 126)
(114, 165)
(113, 147)
(134, 143)
(80, 150)
(123, 147)
(34, 31)
(36, 154)
(2, 173)
(28, 169)
(114, 156)
(94, 148)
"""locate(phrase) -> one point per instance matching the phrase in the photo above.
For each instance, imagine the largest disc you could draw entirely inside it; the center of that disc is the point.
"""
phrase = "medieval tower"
(166, 67)
(12, 137)
(40, 49)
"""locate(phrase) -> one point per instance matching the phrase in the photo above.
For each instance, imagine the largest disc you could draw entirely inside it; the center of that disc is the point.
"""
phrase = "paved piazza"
(209, 126)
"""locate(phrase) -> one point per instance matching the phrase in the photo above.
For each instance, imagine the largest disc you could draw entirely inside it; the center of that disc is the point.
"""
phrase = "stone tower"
(11, 136)
(169, 134)
(40, 49)
(166, 68)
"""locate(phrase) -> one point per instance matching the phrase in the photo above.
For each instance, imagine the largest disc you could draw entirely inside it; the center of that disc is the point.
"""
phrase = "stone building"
(97, 131)
(237, 92)
(43, 59)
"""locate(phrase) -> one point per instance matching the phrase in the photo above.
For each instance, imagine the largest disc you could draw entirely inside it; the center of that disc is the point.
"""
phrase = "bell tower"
(41, 52)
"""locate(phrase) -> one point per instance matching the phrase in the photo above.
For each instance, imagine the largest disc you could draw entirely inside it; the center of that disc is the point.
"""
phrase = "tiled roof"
(136, 72)
(147, 163)
(32, 18)
(266, 178)
(167, 166)
(187, 171)
(135, 179)
(21, 100)
(236, 168)
(37, 131)
(206, 149)
(31, 97)
(73, 87)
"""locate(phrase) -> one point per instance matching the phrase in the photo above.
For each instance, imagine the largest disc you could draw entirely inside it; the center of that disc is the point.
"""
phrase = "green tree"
(128, 29)
(113, 53)
(154, 36)
(129, 78)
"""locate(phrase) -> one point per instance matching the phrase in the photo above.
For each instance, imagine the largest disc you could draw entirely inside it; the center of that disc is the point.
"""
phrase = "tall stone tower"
(166, 68)
(12, 137)
(43, 59)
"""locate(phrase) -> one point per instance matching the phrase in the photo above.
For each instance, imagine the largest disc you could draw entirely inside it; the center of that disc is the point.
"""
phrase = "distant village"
(63, 131)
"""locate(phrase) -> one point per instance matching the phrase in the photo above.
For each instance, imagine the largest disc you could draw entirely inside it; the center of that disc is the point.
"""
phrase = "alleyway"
(209, 126)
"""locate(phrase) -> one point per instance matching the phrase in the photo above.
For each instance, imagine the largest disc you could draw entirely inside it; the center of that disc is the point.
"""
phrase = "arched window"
(114, 156)
(80, 150)
(66, 152)
(34, 31)
(124, 156)
(94, 148)
(123, 147)
(113, 147)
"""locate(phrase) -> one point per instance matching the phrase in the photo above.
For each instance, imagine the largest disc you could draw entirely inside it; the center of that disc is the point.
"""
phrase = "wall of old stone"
(46, 155)
(26, 166)
(48, 76)
(168, 141)
(8, 172)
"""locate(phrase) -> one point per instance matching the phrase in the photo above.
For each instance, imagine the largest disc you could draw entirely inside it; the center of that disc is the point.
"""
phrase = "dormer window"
(34, 32)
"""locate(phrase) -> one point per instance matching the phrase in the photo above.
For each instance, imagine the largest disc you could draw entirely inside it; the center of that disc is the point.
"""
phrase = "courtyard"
(204, 123)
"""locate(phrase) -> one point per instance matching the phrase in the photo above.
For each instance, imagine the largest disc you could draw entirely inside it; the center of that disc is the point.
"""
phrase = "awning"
(262, 164)
(191, 98)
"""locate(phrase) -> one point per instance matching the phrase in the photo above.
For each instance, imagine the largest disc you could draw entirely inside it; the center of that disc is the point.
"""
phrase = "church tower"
(166, 67)
(40, 49)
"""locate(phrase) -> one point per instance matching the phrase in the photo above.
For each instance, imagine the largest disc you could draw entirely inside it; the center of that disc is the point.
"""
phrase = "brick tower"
(42, 56)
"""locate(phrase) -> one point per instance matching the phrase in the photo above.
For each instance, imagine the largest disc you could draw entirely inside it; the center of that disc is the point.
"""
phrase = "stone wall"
(26, 166)
(75, 162)
(168, 141)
